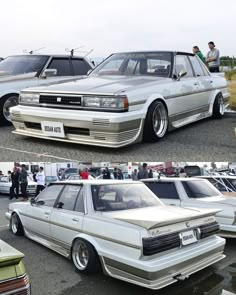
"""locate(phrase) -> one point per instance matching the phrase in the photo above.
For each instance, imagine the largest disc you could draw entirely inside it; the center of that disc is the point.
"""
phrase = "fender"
(9, 92)
(89, 239)
(150, 100)
(212, 100)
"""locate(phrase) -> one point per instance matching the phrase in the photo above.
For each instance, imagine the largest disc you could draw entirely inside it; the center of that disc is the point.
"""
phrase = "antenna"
(32, 51)
(73, 50)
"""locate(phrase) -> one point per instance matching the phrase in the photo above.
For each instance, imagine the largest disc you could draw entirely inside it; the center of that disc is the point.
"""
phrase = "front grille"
(155, 245)
(60, 100)
(209, 229)
(101, 122)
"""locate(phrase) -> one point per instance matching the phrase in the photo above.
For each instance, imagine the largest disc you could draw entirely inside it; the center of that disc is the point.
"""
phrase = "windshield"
(115, 197)
(200, 189)
(134, 64)
(51, 178)
(22, 64)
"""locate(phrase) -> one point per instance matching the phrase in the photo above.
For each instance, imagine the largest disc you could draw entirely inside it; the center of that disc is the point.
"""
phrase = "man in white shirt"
(213, 58)
(40, 178)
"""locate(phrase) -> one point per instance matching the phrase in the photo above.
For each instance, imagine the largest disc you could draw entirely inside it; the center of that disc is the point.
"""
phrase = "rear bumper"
(227, 231)
(167, 268)
(83, 127)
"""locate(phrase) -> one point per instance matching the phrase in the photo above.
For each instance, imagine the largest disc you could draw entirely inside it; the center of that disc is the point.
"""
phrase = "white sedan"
(5, 185)
(198, 193)
(122, 228)
(128, 98)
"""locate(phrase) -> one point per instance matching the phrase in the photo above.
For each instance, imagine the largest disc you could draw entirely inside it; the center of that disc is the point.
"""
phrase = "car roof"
(97, 181)
(169, 179)
(49, 55)
(156, 51)
(217, 176)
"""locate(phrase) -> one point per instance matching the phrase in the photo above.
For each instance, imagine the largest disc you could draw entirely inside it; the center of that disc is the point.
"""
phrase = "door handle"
(46, 213)
(172, 205)
(76, 219)
(196, 84)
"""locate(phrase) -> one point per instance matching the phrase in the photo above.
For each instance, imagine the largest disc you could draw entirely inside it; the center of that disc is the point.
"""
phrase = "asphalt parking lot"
(52, 274)
(206, 140)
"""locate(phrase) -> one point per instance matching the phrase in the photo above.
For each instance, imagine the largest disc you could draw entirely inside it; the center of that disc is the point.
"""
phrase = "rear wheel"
(85, 257)
(156, 122)
(16, 225)
(6, 103)
(218, 107)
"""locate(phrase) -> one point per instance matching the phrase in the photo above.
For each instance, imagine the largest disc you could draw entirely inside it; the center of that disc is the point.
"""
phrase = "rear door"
(38, 215)
(166, 191)
(5, 185)
(67, 215)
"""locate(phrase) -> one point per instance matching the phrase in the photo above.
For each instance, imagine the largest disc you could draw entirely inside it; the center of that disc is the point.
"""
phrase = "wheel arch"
(154, 98)
(89, 239)
(8, 94)
(213, 98)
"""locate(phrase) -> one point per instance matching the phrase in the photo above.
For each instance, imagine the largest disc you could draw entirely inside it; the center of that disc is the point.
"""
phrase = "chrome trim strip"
(182, 115)
(134, 103)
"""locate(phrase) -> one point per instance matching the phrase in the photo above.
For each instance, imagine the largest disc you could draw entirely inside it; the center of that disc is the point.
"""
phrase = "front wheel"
(6, 103)
(218, 107)
(16, 225)
(85, 257)
(156, 122)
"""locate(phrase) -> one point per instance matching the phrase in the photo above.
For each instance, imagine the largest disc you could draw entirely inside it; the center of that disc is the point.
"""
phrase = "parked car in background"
(197, 193)
(5, 185)
(50, 179)
(128, 98)
(13, 277)
(224, 183)
(22, 71)
(122, 228)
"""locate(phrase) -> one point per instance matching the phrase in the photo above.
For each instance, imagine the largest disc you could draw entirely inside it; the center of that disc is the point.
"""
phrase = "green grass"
(232, 90)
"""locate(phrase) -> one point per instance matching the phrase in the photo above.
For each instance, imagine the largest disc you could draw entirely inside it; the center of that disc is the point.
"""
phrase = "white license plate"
(55, 129)
(188, 237)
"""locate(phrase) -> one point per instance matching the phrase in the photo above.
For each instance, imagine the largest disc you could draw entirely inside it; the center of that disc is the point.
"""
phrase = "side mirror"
(49, 73)
(40, 203)
(89, 71)
(181, 74)
(32, 201)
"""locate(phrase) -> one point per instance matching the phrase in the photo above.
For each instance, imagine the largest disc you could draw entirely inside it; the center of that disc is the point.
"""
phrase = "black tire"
(11, 99)
(16, 225)
(155, 131)
(92, 265)
(218, 107)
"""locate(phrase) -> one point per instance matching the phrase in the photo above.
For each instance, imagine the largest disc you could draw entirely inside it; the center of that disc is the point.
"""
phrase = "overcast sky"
(116, 25)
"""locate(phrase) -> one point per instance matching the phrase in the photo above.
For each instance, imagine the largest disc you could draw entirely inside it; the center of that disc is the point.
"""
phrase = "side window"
(196, 66)
(80, 66)
(62, 65)
(163, 190)
(79, 206)
(183, 64)
(49, 195)
(68, 197)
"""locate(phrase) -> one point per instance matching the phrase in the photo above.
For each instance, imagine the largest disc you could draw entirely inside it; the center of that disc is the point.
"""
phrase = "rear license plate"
(188, 237)
(55, 129)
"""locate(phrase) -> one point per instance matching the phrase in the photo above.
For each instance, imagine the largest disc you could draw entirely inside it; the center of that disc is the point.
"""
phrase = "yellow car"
(13, 277)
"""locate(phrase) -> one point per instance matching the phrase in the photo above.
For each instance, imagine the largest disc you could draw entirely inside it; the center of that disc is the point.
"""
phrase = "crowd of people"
(212, 59)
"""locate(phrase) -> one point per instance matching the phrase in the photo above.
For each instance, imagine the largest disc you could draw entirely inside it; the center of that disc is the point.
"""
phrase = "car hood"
(218, 200)
(161, 215)
(9, 78)
(100, 84)
(9, 255)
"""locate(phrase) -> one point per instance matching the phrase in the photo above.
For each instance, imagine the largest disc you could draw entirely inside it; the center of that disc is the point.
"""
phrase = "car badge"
(59, 99)
(187, 224)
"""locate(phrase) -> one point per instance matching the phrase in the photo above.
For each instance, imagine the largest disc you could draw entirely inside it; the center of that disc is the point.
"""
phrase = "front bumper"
(8, 216)
(167, 268)
(83, 127)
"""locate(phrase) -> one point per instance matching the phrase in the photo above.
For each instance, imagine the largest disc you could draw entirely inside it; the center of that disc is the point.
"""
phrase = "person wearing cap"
(198, 52)
(213, 58)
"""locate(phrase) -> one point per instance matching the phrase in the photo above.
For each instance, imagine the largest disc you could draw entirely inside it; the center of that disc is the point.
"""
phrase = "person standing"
(134, 175)
(115, 173)
(23, 179)
(14, 190)
(84, 174)
(143, 173)
(40, 178)
(106, 173)
(198, 52)
(120, 175)
(213, 58)
(150, 174)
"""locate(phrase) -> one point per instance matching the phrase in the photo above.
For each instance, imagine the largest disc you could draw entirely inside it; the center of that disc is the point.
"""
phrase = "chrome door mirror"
(32, 201)
(181, 74)
(49, 73)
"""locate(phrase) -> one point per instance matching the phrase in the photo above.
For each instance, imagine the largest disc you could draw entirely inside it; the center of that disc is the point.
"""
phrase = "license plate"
(55, 129)
(188, 237)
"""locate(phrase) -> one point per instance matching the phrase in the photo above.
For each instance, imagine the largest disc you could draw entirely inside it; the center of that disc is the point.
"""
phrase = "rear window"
(164, 190)
(200, 189)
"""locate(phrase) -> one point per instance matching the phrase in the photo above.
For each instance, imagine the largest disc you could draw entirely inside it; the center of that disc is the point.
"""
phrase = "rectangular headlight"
(29, 98)
(116, 103)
